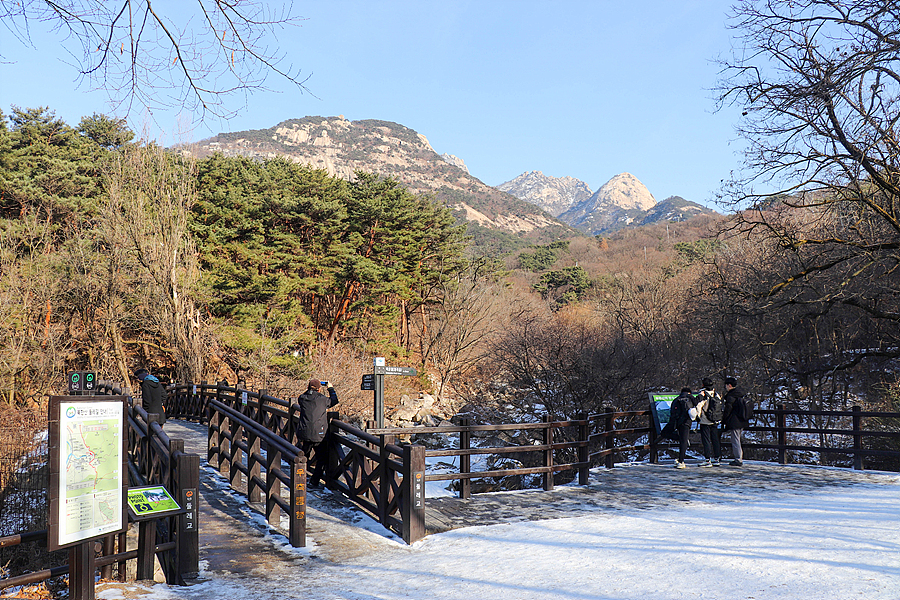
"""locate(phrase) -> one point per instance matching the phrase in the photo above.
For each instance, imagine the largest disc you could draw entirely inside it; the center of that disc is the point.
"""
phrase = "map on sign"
(90, 482)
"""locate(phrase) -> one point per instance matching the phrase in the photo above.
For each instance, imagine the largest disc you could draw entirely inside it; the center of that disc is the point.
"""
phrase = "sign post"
(88, 479)
(375, 382)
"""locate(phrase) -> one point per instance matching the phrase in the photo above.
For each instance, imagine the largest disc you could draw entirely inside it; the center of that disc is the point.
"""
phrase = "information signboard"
(87, 469)
(152, 501)
(660, 405)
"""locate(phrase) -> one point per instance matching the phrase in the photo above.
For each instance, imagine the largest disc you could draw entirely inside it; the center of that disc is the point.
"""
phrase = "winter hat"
(730, 381)
(314, 384)
(707, 383)
(141, 374)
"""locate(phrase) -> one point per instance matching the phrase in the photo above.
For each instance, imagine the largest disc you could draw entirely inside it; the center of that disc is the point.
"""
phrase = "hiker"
(734, 418)
(313, 424)
(680, 415)
(152, 394)
(710, 406)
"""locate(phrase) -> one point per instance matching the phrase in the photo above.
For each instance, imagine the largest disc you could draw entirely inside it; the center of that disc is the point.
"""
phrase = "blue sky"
(587, 88)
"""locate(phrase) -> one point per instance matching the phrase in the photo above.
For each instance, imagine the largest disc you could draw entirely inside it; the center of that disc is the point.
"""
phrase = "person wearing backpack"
(681, 417)
(734, 418)
(710, 406)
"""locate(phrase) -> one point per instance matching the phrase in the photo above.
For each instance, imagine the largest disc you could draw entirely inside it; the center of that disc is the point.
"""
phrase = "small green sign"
(151, 501)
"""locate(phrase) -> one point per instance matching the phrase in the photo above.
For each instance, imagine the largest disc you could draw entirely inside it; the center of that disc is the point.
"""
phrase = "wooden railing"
(544, 452)
(781, 435)
(384, 479)
(242, 449)
(793, 431)
(154, 459)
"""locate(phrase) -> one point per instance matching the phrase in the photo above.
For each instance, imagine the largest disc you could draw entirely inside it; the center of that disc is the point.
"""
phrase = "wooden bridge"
(246, 442)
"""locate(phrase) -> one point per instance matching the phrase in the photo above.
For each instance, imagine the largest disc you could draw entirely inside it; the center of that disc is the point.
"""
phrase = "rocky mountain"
(620, 201)
(623, 201)
(342, 147)
(553, 194)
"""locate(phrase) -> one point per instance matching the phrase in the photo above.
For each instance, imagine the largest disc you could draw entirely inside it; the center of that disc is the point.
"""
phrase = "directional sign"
(368, 382)
(408, 371)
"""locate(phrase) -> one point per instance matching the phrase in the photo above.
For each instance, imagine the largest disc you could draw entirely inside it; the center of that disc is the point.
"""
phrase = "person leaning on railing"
(313, 424)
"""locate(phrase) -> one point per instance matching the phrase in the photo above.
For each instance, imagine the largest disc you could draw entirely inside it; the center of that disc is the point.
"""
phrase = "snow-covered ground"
(830, 543)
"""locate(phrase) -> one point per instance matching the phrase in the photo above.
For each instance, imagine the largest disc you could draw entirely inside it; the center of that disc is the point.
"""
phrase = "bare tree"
(148, 54)
(818, 82)
(461, 326)
(150, 195)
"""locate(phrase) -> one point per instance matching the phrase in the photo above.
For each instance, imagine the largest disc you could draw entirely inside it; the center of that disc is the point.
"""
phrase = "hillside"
(342, 147)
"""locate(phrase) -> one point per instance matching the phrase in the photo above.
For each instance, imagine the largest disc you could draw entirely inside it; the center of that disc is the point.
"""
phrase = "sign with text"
(88, 472)
(368, 382)
(408, 371)
(152, 501)
(190, 502)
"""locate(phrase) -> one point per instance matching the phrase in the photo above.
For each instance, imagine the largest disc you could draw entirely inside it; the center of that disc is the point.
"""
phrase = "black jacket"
(152, 395)
(314, 407)
(679, 410)
(735, 409)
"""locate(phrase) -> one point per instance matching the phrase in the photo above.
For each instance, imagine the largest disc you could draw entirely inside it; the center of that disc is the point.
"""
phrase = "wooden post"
(225, 424)
(384, 478)
(273, 485)
(412, 506)
(654, 440)
(297, 525)
(465, 461)
(235, 459)
(81, 571)
(213, 439)
(584, 433)
(121, 565)
(609, 442)
(254, 493)
(187, 537)
(146, 549)
(780, 426)
(109, 548)
(857, 439)
(548, 455)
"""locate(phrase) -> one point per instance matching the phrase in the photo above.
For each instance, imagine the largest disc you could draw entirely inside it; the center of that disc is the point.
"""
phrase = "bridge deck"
(230, 542)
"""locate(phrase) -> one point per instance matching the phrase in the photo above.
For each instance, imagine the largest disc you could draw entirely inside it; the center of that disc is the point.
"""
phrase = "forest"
(117, 254)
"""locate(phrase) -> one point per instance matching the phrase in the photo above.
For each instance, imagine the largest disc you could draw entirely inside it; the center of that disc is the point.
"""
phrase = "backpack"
(714, 406)
(749, 411)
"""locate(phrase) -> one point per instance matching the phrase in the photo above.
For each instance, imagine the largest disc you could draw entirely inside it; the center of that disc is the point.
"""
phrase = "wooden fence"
(782, 435)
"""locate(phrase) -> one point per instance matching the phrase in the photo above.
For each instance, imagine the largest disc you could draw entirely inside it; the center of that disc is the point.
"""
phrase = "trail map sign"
(87, 468)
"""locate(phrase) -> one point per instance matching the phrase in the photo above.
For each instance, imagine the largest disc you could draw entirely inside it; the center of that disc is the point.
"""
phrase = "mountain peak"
(553, 194)
(627, 192)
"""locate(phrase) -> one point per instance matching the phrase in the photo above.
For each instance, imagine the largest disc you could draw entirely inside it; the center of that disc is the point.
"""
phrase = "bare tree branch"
(143, 56)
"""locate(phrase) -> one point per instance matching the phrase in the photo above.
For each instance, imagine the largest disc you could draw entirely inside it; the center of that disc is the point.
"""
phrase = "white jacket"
(703, 398)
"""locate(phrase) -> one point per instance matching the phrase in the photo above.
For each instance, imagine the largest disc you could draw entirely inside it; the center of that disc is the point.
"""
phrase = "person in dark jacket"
(313, 424)
(152, 394)
(681, 417)
(709, 405)
(733, 418)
